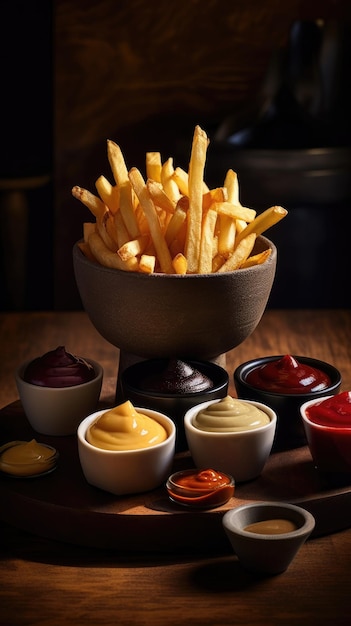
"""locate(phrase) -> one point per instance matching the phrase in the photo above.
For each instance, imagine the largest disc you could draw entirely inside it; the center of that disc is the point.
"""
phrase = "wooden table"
(48, 582)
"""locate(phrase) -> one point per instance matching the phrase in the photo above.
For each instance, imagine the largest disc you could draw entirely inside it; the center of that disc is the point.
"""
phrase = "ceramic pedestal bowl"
(168, 316)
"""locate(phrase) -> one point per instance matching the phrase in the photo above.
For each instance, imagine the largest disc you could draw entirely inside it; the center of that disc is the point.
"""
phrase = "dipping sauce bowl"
(231, 438)
(327, 423)
(126, 471)
(202, 489)
(285, 382)
(266, 536)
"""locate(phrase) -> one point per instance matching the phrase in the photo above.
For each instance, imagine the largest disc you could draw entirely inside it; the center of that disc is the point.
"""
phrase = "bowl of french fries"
(168, 267)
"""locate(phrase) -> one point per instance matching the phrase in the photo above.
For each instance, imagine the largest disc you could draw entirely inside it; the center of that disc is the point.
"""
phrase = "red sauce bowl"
(330, 446)
(200, 488)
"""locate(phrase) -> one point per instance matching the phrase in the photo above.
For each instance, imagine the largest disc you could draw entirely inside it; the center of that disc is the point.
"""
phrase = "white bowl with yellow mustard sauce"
(230, 435)
(126, 449)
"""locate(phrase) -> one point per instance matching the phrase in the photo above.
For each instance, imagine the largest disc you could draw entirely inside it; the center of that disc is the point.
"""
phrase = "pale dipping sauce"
(271, 527)
(230, 415)
(27, 458)
(124, 428)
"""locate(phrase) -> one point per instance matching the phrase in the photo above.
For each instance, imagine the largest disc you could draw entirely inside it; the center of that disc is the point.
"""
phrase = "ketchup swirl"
(287, 375)
(58, 368)
(177, 377)
(333, 412)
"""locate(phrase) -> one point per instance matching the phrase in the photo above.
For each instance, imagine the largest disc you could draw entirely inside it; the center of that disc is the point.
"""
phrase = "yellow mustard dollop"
(230, 415)
(27, 458)
(124, 428)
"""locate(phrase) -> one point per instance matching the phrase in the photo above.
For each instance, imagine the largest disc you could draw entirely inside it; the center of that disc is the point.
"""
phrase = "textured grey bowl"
(165, 316)
(267, 553)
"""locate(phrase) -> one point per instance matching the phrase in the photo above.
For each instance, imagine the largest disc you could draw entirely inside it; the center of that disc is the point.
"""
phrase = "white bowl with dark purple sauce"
(58, 390)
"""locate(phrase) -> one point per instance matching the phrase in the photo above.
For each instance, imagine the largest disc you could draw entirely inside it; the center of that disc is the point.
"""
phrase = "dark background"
(269, 83)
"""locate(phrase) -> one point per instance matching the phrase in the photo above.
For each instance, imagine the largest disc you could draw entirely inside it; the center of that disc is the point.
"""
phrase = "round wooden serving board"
(63, 506)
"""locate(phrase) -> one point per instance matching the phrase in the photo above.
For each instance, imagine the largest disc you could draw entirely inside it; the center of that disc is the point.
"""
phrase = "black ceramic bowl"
(175, 405)
(290, 432)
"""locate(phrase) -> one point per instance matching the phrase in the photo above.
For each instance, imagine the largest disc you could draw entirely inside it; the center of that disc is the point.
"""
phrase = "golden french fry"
(262, 222)
(120, 174)
(95, 205)
(132, 248)
(226, 235)
(213, 195)
(217, 262)
(88, 228)
(240, 225)
(180, 264)
(169, 184)
(206, 247)
(232, 186)
(108, 193)
(159, 196)
(153, 166)
(240, 254)
(105, 256)
(235, 211)
(194, 221)
(147, 263)
(85, 248)
(176, 222)
(257, 259)
(181, 177)
(140, 189)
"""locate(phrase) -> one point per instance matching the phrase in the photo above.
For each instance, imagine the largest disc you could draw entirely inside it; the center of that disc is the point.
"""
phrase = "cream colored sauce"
(230, 415)
(271, 527)
(124, 428)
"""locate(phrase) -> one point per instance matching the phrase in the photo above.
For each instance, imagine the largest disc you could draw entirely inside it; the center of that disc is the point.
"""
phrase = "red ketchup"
(334, 412)
(329, 434)
(204, 488)
(287, 375)
(58, 368)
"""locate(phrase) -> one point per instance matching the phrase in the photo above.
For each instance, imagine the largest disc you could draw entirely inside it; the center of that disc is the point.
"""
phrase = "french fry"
(176, 222)
(262, 222)
(196, 173)
(257, 259)
(181, 177)
(231, 184)
(85, 248)
(133, 248)
(108, 193)
(147, 263)
(120, 174)
(153, 166)
(235, 211)
(206, 247)
(148, 206)
(169, 184)
(88, 228)
(214, 195)
(180, 264)
(226, 235)
(95, 205)
(240, 254)
(160, 197)
(102, 253)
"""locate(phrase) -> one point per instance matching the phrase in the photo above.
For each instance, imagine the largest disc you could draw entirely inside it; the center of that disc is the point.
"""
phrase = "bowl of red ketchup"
(285, 383)
(327, 424)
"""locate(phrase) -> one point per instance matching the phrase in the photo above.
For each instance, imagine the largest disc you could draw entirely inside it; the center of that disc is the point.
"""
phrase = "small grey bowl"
(268, 553)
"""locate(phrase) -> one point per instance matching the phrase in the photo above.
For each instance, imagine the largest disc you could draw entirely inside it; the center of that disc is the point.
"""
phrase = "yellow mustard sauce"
(272, 527)
(27, 458)
(124, 428)
(230, 415)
